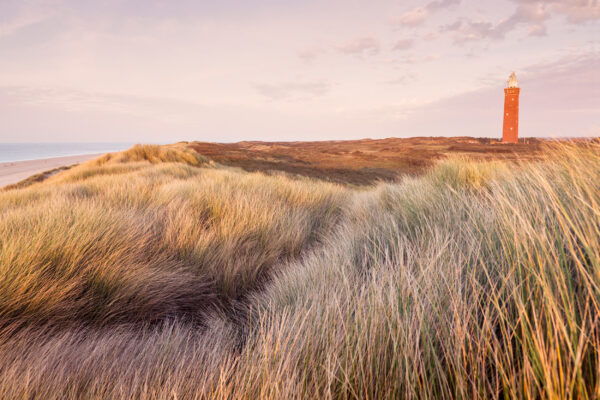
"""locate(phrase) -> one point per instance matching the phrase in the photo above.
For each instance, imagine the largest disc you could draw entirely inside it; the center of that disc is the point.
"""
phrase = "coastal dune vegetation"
(157, 273)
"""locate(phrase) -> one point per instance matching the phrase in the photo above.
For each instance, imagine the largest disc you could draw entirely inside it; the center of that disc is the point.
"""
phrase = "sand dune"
(15, 171)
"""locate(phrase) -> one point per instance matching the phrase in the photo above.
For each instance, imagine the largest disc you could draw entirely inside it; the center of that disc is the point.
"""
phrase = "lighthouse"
(510, 129)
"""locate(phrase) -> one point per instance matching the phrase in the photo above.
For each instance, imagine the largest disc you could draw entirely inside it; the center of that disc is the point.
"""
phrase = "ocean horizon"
(10, 152)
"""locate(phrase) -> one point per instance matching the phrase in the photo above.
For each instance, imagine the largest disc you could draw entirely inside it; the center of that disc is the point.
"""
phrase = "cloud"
(75, 100)
(30, 113)
(309, 55)
(464, 31)
(403, 44)
(537, 30)
(418, 60)
(365, 45)
(293, 90)
(401, 80)
(15, 16)
(413, 18)
(311, 52)
(575, 11)
(530, 13)
(417, 16)
(429, 36)
(38, 113)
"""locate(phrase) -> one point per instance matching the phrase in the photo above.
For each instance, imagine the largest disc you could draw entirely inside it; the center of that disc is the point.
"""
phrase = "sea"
(34, 151)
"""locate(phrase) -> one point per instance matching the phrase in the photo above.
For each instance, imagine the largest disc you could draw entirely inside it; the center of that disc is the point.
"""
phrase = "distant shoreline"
(15, 171)
(50, 158)
(10, 152)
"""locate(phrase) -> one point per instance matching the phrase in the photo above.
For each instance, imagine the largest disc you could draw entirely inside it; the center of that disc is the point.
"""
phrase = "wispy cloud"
(530, 13)
(293, 90)
(15, 16)
(534, 14)
(361, 46)
(417, 16)
(421, 59)
(311, 53)
(308, 55)
(403, 44)
(537, 30)
(401, 80)
(74, 100)
(575, 10)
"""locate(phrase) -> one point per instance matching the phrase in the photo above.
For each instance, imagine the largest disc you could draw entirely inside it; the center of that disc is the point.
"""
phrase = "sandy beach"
(15, 171)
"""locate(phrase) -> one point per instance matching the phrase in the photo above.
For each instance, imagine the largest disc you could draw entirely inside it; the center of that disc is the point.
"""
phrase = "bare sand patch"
(15, 171)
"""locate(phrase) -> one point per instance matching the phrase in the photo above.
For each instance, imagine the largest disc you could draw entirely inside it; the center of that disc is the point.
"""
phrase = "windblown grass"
(478, 280)
(141, 243)
(155, 154)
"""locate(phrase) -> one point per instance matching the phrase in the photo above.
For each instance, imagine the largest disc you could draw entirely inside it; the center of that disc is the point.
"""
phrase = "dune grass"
(139, 242)
(142, 279)
(155, 154)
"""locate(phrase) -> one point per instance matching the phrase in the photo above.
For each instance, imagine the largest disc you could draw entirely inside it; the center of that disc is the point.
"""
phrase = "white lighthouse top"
(512, 81)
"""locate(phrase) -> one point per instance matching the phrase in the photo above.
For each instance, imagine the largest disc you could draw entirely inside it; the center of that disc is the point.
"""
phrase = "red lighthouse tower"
(510, 129)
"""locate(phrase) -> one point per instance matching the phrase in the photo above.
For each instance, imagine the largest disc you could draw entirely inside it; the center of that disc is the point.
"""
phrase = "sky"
(230, 70)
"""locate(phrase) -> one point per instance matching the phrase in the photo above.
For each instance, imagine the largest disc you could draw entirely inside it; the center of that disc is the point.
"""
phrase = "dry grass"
(362, 162)
(138, 242)
(154, 154)
(140, 280)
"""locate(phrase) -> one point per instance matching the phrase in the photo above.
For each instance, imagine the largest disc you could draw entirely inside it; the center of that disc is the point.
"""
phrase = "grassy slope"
(121, 278)
(361, 162)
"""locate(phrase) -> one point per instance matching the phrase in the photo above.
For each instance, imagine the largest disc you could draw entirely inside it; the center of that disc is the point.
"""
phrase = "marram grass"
(156, 276)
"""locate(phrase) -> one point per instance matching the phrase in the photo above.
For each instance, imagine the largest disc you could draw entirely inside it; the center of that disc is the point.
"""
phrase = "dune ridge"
(155, 273)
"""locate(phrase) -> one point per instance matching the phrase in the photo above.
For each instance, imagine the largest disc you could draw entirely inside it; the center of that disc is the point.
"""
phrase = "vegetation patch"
(144, 279)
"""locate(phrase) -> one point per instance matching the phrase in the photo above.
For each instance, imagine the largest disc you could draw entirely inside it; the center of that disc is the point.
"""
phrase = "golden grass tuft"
(178, 153)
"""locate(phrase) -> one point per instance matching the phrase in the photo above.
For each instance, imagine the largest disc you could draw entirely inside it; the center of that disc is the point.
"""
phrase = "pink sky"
(228, 70)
